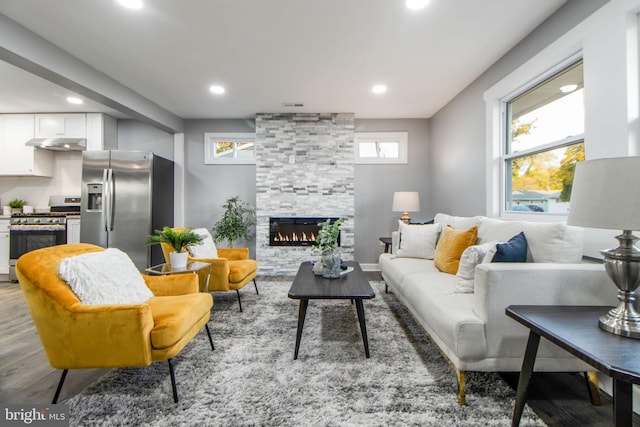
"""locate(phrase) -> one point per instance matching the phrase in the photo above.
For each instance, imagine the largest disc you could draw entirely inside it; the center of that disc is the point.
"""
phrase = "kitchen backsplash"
(67, 177)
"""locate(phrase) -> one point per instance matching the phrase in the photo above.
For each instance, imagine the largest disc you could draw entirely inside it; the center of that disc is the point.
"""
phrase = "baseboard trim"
(370, 267)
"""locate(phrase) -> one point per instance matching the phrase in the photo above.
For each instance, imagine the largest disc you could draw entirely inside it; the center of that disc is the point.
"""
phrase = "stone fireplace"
(304, 168)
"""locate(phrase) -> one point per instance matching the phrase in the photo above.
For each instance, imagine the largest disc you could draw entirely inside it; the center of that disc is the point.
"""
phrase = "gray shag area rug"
(252, 379)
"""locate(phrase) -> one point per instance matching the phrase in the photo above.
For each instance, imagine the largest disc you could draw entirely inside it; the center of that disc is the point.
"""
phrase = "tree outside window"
(544, 143)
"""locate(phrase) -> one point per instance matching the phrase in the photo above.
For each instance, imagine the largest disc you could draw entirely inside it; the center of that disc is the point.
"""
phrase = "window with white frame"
(381, 147)
(229, 148)
(544, 139)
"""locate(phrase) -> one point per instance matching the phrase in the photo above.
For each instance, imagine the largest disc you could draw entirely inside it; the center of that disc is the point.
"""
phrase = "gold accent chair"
(79, 336)
(231, 271)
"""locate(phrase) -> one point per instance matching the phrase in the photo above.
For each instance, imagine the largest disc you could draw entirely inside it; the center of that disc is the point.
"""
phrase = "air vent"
(292, 104)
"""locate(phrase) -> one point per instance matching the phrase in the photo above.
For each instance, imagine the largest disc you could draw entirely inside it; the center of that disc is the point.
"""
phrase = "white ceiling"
(326, 54)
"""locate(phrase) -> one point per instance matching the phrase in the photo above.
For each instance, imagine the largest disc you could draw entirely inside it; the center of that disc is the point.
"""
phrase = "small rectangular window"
(381, 147)
(229, 148)
(544, 141)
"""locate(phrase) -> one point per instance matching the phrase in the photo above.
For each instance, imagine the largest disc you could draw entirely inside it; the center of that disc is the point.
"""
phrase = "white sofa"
(471, 329)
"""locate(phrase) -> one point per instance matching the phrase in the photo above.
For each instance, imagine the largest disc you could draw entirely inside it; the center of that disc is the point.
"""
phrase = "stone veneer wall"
(304, 167)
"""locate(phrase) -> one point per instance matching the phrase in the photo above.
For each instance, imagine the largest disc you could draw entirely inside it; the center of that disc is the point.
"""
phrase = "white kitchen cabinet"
(73, 230)
(16, 159)
(102, 132)
(61, 125)
(4, 246)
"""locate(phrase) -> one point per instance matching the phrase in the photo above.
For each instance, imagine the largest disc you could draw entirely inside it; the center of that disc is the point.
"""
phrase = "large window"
(544, 141)
(381, 147)
(229, 148)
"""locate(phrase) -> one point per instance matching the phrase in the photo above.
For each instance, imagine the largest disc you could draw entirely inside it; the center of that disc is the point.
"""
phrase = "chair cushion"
(173, 316)
(239, 270)
(105, 277)
(206, 248)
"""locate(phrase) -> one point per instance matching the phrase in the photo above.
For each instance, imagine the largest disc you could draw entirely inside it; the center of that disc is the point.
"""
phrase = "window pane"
(551, 111)
(542, 182)
(367, 149)
(224, 149)
(245, 150)
(389, 150)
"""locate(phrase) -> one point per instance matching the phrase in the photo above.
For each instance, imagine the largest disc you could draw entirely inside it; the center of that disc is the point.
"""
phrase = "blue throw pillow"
(515, 250)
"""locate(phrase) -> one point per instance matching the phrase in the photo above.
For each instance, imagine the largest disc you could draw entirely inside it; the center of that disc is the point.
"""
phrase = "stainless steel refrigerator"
(125, 196)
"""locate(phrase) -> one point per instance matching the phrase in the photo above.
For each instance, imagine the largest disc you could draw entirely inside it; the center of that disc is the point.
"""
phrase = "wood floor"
(27, 378)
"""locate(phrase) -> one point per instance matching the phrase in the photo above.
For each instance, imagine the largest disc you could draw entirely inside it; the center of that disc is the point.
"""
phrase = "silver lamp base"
(623, 267)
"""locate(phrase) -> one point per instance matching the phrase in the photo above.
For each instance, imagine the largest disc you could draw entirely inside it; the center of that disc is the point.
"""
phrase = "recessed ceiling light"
(217, 89)
(131, 4)
(568, 88)
(416, 4)
(74, 100)
(378, 89)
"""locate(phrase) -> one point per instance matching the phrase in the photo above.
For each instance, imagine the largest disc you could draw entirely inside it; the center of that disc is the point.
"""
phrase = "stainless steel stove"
(31, 231)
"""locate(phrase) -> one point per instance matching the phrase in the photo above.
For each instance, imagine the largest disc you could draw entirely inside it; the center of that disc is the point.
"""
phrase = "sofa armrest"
(102, 336)
(498, 285)
(173, 284)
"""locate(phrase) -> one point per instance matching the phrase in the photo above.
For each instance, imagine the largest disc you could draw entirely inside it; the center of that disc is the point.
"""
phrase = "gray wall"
(207, 187)
(375, 184)
(458, 168)
(135, 135)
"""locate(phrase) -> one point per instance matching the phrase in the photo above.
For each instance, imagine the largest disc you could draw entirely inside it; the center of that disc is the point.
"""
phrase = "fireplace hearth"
(295, 231)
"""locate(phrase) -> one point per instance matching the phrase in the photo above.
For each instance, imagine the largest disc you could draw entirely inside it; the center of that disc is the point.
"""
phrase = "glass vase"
(331, 264)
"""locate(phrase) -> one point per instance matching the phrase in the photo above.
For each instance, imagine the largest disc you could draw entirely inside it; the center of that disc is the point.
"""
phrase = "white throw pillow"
(105, 277)
(471, 257)
(206, 248)
(418, 241)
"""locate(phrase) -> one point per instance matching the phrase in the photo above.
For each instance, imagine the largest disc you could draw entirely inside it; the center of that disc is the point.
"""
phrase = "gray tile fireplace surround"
(304, 168)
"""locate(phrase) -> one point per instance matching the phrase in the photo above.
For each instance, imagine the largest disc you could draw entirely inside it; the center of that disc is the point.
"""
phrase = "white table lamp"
(405, 202)
(606, 194)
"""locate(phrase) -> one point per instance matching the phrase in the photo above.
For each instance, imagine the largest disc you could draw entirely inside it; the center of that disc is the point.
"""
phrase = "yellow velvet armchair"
(231, 271)
(79, 336)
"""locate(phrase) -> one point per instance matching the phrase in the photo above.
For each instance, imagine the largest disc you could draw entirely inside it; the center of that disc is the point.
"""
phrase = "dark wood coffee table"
(352, 286)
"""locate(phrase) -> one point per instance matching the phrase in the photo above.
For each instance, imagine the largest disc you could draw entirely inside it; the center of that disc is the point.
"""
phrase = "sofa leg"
(462, 399)
(256, 285)
(173, 381)
(239, 301)
(592, 385)
(59, 388)
(209, 335)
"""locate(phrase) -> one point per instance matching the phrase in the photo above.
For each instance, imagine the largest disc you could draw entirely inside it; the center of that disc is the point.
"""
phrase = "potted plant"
(238, 217)
(327, 243)
(179, 240)
(16, 205)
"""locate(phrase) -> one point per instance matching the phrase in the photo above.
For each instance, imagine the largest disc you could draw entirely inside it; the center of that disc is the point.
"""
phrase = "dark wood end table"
(353, 286)
(575, 329)
(387, 243)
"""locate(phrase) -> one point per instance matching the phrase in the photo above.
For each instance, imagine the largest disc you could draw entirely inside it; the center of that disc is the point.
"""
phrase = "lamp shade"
(606, 194)
(406, 201)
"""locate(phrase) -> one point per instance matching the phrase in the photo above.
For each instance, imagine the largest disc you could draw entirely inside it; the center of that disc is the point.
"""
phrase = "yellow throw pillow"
(450, 247)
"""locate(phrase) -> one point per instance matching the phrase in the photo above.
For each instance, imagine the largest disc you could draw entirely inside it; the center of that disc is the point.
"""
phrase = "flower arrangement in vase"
(327, 243)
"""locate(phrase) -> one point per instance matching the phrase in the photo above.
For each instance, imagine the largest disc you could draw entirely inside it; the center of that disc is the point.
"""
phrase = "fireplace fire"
(295, 231)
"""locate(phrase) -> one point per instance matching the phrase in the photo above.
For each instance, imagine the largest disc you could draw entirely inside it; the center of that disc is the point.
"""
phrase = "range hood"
(59, 144)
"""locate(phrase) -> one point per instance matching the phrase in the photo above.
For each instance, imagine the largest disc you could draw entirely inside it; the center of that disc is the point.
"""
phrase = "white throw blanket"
(106, 277)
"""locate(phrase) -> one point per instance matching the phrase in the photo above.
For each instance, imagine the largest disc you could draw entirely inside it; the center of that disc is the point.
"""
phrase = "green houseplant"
(16, 205)
(179, 240)
(327, 243)
(238, 217)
